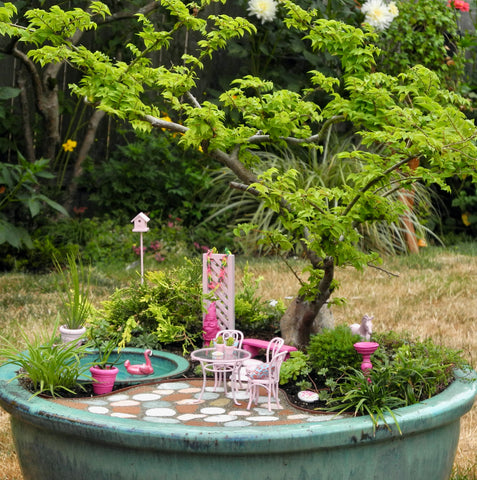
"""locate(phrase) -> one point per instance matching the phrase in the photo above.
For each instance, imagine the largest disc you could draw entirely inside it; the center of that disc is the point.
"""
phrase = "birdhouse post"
(140, 226)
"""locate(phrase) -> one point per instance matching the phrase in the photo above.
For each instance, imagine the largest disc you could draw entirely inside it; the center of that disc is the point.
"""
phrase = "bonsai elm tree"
(400, 119)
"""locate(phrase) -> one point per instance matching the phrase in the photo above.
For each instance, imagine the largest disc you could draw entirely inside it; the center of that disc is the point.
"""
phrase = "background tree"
(399, 119)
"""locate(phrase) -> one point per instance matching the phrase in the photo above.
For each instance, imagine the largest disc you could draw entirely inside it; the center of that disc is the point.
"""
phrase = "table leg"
(204, 380)
(234, 382)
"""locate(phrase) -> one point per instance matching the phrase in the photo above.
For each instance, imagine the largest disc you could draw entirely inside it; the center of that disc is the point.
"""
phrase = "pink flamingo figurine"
(140, 369)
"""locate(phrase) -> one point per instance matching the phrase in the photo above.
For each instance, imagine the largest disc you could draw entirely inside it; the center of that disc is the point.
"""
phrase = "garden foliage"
(165, 310)
(405, 371)
(411, 129)
(46, 366)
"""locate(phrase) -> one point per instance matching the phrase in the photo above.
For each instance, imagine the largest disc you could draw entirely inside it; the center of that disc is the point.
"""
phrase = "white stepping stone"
(118, 397)
(189, 416)
(189, 401)
(146, 397)
(238, 423)
(164, 391)
(125, 403)
(263, 418)
(219, 418)
(160, 412)
(173, 386)
(161, 420)
(240, 413)
(190, 390)
(208, 396)
(123, 415)
(101, 410)
(299, 416)
(212, 410)
(240, 395)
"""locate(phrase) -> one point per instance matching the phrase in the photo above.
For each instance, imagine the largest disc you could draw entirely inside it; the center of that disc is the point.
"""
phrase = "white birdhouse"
(140, 223)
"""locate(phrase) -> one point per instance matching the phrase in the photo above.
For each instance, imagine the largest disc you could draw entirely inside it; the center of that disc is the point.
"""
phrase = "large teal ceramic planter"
(55, 442)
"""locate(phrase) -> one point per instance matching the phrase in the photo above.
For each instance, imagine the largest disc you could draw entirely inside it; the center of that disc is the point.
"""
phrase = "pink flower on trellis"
(213, 285)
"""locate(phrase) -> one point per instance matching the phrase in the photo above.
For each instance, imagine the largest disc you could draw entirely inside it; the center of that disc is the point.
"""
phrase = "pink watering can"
(140, 369)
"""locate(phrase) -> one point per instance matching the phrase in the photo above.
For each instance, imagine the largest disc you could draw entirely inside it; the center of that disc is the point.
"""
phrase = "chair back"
(275, 365)
(274, 347)
(237, 335)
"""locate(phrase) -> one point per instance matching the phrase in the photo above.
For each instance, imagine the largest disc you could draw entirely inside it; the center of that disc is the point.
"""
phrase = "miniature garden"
(322, 155)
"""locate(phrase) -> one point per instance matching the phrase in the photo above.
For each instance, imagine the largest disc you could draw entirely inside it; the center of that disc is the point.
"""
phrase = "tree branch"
(159, 123)
(259, 138)
(150, 7)
(374, 182)
(370, 265)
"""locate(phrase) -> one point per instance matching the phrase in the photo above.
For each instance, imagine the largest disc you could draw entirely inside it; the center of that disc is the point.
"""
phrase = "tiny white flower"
(264, 10)
(273, 303)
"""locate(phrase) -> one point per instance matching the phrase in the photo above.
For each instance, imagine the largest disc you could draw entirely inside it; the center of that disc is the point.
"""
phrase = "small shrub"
(165, 310)
(298, 365)
(333, 349)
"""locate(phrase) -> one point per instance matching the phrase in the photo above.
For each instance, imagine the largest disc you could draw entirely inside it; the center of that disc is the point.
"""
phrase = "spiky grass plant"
(46, 366)
(74, 290)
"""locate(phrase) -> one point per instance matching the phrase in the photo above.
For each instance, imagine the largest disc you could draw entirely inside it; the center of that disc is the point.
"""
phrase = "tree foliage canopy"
(399, 118)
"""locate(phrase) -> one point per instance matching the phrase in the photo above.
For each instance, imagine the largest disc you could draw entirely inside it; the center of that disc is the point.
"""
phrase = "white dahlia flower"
(264, 10)
(378, 14)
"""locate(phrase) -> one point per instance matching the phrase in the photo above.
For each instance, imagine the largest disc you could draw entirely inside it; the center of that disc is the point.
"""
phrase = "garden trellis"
(219, 287)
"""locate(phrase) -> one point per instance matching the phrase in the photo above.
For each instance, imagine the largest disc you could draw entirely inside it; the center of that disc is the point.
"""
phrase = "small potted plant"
(74, 295)
(219, 344)
(229, 347)
(104, 372)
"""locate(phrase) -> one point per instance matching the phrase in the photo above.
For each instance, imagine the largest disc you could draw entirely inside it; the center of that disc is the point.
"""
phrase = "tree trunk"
(87, 143)
(303, 319)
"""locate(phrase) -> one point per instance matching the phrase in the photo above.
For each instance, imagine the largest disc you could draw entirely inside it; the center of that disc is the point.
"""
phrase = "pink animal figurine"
(140, 369)
(365, 329)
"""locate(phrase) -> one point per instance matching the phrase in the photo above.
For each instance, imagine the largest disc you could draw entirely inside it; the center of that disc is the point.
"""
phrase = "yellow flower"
(70, 145)
(465, 219)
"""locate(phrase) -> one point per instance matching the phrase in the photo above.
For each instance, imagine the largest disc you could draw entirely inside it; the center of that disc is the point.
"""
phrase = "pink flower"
(459, 5)
(155, 245)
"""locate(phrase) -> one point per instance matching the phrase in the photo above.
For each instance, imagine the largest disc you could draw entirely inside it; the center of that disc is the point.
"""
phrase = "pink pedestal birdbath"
(366, 349)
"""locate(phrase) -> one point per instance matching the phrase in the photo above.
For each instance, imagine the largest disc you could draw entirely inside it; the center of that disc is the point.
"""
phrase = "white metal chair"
(267, 376)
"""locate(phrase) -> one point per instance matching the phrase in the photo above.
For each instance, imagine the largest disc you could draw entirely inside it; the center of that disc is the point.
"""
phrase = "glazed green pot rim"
(439, 410)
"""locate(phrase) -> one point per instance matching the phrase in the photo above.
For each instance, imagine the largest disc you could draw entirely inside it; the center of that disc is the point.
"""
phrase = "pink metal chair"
(273, 348)
(267, 376)
(237, 335)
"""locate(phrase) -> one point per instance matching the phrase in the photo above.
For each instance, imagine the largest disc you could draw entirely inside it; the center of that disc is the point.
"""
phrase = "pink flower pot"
(229, 351)
(104, 379)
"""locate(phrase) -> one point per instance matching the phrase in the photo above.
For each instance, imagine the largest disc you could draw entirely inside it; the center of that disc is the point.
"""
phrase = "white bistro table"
(228, 364)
